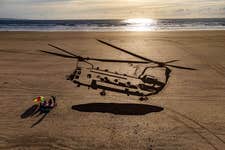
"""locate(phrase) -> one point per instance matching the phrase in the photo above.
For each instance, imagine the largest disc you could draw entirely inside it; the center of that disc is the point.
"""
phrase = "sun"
(140, 21)
(140, 24)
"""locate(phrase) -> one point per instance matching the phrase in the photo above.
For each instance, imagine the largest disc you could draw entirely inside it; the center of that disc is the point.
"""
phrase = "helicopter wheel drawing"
(103, 93)
(143, 98)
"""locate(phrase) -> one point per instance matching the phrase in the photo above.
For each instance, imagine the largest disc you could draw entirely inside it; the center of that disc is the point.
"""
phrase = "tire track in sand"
(208, 136)
(220, 69)
(35, 143)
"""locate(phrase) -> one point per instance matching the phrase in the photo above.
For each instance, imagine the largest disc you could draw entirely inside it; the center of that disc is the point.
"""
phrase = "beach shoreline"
(146, 25)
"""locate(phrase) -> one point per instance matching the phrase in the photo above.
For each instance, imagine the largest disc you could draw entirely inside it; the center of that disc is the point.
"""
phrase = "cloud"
(109, 9)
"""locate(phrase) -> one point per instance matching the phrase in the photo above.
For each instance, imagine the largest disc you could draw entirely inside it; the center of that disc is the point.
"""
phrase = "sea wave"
(112, 25)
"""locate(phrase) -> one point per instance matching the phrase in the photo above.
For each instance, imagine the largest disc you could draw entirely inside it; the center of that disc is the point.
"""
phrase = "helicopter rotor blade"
(181, 67)
(123, 50)
(119, 61)
(146, 59)
(113, 60)
(57, 54)
(171, 61)
(65, 51)
(94, 59)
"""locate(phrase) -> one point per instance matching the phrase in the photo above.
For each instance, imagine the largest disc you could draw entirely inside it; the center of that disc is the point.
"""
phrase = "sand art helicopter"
(142, 85)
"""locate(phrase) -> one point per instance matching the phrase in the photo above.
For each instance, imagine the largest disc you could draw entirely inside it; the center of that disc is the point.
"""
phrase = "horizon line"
(110, 19)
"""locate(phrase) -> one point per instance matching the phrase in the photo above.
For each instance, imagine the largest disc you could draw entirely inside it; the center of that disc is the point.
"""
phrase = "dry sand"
(193, 102)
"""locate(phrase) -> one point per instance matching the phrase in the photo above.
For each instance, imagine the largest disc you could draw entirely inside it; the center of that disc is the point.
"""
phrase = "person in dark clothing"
(52, 102)
(46, 106)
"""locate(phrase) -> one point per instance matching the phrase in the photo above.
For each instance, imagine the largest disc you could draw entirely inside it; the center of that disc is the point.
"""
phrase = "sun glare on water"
(140, 24)
(143, 21)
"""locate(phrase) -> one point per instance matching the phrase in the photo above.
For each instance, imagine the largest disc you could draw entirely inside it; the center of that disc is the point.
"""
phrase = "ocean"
(112, 25)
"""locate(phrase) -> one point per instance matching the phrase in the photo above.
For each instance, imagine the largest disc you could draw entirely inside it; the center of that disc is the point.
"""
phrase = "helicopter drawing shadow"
(141, 85)
(117, 108)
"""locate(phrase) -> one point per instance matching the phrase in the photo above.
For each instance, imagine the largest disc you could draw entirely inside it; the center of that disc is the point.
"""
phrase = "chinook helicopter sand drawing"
(142, 85)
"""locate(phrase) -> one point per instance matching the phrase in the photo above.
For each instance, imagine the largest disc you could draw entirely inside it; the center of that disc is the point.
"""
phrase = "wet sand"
(188, 114)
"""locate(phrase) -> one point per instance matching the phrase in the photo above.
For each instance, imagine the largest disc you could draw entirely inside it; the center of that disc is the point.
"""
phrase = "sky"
(111, 9)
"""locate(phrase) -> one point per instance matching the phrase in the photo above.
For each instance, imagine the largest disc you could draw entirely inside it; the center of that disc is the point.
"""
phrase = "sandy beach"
(189, 113)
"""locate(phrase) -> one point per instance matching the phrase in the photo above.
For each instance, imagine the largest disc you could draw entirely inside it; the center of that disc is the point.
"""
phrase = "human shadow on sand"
(118, 108)
(30, 111)
(34, 110)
